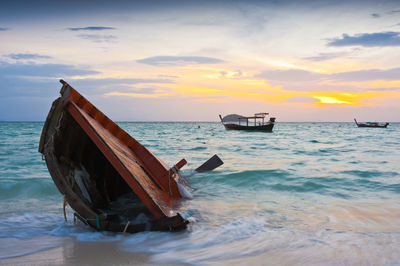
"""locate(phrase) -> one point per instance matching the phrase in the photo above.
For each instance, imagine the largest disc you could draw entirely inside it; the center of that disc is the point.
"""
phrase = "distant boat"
(371, 124)
(252, 123)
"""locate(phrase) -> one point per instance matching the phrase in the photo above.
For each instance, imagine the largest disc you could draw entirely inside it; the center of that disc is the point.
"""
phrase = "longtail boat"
(109, 179)
(371, 124)
(252, 123)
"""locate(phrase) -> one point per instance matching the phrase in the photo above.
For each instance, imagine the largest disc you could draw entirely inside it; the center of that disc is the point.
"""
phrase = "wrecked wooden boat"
(109, 179)
(371, 124)
(252, 123)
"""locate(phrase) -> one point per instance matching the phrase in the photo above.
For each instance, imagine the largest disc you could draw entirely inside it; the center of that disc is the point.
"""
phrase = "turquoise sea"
(306, 194)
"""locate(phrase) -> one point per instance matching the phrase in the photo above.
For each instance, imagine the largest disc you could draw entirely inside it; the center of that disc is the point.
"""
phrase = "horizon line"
(177, 121)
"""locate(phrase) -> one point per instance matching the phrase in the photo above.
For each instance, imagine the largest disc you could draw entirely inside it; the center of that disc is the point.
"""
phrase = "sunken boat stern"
(110, 180)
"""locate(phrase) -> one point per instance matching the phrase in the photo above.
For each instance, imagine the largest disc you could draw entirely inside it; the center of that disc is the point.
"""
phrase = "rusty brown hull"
(111, 181)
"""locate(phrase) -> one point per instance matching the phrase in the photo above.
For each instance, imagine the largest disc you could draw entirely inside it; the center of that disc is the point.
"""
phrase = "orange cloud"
(219, 84)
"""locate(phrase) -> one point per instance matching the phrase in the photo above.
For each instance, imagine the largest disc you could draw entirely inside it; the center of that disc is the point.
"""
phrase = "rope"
(64, 205)
(97, 221)
(126, 226)
(76, 215)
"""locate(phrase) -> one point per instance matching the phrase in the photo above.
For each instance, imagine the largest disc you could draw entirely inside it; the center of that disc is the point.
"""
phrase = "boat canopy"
(233, 118)
(261, 114)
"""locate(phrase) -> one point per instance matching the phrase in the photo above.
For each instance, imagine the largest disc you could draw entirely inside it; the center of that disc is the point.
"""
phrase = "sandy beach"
(82, 253)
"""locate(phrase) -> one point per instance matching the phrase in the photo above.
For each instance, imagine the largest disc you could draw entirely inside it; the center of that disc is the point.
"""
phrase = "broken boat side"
(94, 163)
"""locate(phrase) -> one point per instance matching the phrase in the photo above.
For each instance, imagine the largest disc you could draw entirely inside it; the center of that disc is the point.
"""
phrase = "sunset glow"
(331, 100)
(245, 57)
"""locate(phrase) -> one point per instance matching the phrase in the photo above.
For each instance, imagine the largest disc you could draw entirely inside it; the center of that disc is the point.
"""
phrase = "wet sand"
(82, 253)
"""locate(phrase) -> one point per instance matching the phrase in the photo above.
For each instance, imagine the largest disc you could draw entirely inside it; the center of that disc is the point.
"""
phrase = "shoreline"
(82, 253)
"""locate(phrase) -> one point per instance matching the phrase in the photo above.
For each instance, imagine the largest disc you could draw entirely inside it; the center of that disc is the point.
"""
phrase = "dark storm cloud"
(91, 28)
(378, 39)
(178, 60)
(27, 56)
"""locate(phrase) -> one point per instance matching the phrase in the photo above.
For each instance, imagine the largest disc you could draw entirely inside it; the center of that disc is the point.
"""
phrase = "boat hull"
(371, 124)
(376, 126)
(265, 128)
(106, 176)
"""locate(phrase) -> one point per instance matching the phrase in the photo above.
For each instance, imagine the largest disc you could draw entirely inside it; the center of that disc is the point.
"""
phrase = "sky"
(317, 61)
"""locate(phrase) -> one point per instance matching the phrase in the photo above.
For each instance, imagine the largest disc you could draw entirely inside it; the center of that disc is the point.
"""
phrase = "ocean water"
(306, 194)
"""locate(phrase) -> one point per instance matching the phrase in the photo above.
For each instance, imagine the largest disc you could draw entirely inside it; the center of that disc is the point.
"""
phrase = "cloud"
(123, 85)
(117, 81)
(386, 89)
(91, 28)
(326, 56)
(367, 75)
(233, 74)
(301, 99)
(98, 37)
(27, 56)
(3, 29)
(27, 89)
(168, 76)
(378, 39)
(290, 75)
(178, 60)
(148, 92)
(41, 70)
(375, 15)
(35, 80)
(301, 80)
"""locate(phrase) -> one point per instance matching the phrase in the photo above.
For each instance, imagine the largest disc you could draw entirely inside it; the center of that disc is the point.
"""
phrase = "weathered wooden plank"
(119, 156)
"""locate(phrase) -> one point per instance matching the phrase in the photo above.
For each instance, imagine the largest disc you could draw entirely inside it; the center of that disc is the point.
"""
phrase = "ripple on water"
(369, 174)
(273, 200)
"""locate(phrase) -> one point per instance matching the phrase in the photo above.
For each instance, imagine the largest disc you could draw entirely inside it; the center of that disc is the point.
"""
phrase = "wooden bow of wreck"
(111, 181)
